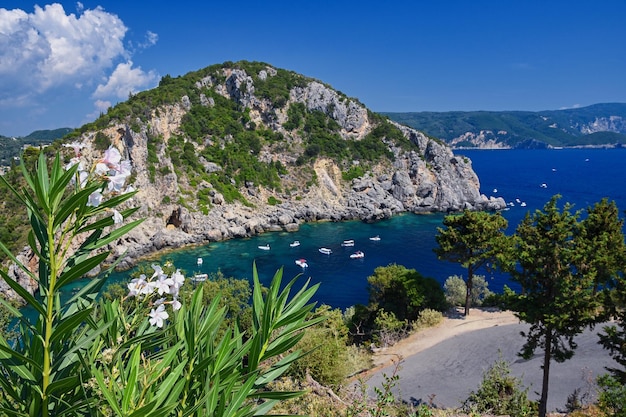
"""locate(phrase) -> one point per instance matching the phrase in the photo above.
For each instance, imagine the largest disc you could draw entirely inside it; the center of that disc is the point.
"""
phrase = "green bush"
(404, 292)
(428, 318)
(455, 289)
(101, 142)
(326, 358)
(500, 394)
(612, 396)
(388, 329)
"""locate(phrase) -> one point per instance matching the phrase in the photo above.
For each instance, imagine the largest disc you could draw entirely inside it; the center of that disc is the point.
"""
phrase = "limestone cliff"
(244, 148)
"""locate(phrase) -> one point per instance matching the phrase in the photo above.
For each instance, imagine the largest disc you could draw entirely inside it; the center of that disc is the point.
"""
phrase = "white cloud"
(124, 81)
(50, 49)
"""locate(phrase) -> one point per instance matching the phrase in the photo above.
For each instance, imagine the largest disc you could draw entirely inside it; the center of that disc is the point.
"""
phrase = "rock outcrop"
(425, 177)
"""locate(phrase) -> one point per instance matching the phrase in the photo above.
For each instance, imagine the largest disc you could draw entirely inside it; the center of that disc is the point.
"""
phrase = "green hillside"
(12, 147)
(571, 127)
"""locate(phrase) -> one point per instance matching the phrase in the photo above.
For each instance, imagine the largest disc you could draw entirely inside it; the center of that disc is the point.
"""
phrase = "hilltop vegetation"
(12, 147)
(599, 124)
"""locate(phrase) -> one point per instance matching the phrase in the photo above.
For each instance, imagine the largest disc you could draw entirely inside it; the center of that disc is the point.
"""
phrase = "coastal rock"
(182, 209)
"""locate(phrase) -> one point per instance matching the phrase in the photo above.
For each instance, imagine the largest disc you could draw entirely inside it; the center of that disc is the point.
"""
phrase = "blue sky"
(63, 63)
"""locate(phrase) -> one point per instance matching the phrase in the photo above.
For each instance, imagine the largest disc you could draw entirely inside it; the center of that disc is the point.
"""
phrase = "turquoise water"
(582, 176)
(406, 240)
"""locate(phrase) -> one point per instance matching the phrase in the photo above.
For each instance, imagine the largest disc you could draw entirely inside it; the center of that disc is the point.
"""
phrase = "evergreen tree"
(561, 264)
(471, 239)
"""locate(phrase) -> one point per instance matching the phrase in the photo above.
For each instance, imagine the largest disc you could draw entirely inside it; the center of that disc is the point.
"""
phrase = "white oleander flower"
(117, 217)
(163, 284)
(158, 316)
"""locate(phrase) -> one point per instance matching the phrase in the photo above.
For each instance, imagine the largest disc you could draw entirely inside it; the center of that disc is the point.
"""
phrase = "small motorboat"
(302, 263)
(199, 261)
(375, 238)
(264, 247)
(348, 243)
(294, 243)
(199, 277)
(325, 251)
(358, 254)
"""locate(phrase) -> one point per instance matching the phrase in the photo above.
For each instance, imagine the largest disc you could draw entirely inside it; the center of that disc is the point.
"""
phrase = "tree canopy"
(471, 239)
(561, 263)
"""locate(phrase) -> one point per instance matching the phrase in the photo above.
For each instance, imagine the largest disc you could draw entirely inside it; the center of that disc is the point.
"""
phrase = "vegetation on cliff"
(599, 124)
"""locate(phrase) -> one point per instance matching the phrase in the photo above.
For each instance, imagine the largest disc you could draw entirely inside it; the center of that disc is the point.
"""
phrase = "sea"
(526, 179)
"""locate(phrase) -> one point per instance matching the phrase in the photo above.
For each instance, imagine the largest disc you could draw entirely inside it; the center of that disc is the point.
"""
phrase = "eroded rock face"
(428, 178)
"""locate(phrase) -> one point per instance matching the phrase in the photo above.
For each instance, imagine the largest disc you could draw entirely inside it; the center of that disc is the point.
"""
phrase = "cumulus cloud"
(124, 81)
(49, 49)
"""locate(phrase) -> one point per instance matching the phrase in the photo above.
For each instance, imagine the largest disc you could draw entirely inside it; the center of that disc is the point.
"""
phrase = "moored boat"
(294, 243)
(264, 247)
(358, 254)
(348, 243)
(325, 251)
(375, 238)
(199, 277)
(302, 263)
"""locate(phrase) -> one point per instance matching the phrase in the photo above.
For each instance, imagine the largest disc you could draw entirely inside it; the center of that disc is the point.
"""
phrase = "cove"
(404, 240)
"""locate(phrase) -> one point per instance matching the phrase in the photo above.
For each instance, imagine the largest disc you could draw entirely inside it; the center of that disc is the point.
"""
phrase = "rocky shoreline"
(425, 177)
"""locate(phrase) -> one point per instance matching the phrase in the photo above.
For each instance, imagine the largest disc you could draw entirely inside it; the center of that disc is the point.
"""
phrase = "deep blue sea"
(582, 177)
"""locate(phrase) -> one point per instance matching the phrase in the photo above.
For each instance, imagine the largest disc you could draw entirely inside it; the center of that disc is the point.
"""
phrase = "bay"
(582, 176)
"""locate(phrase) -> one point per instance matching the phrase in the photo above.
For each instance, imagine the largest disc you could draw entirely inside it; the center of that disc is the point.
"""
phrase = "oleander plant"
(148, 353)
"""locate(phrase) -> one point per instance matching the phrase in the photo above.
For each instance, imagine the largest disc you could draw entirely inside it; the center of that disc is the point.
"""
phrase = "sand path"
(452, 325)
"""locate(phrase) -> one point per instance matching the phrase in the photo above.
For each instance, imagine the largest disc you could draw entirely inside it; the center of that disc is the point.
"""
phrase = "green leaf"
(63, 385)
(30, 300)
(71, 204)
(108, 395)
(131, 381)
(17, 362)
(70, 323)
(79, 270)
(114, 235)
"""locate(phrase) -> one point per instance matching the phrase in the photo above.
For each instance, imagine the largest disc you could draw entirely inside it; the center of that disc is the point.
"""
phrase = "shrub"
(405, 292)
(326, 358)
(388, 329)
(500, 393)
(428, 318)
(101, 142)
(455, 289)
(272, 201)
(612, 397)
(88, 357)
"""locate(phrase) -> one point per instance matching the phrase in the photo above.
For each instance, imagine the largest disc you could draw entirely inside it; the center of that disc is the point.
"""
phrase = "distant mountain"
(11, 147)
(596, 125)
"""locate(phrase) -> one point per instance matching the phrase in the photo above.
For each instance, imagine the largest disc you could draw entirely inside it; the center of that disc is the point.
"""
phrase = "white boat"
(348, 243)
(264, 247)
(358, 254)
(302, 263)
(199, 261)
(325, 251)
(375, 238)
(200, 277)
(294, 243)
(523, 204)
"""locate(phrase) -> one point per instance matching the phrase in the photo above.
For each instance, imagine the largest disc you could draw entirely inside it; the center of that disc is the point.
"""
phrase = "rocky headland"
(421, 174)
